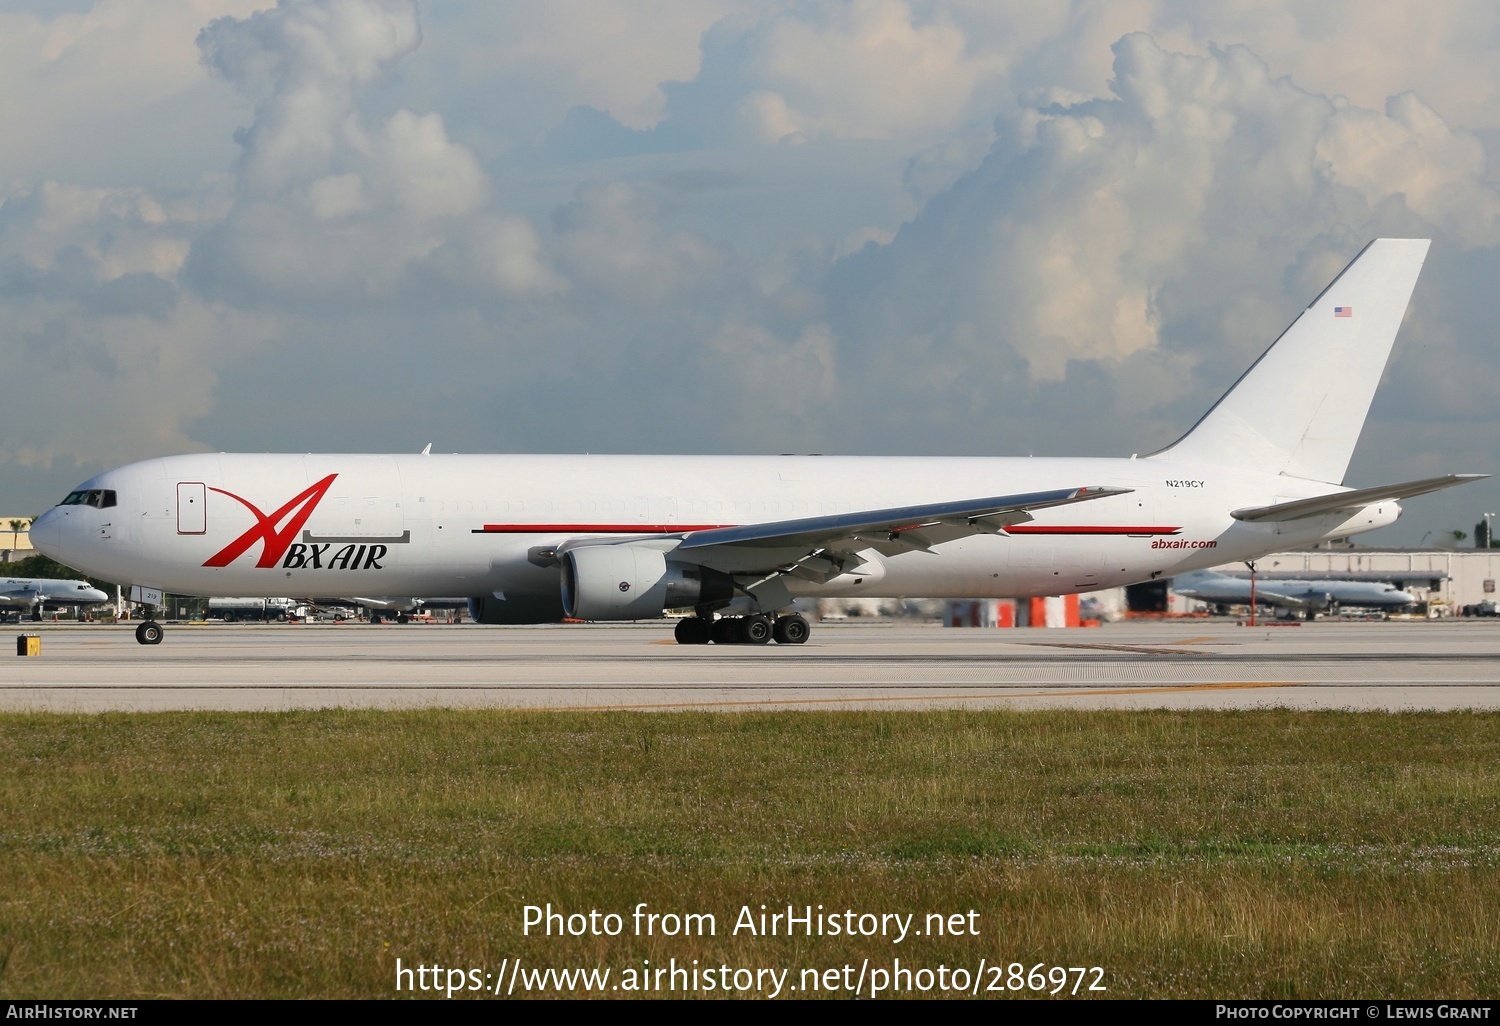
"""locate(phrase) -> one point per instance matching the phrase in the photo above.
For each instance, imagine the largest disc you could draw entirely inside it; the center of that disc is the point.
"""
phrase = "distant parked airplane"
(1309, 594)
(37, 593)
(400, 608)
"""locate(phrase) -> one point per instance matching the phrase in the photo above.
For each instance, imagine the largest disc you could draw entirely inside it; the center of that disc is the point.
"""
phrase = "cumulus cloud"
(874, 225)
(329, 202)
(867, 69)
(611, 56)
(1441, 173)
(610, 237)
(781, 385)
(120, 231)
(1123, 224)
(1441, 51)
(114, 358)
(111, 94)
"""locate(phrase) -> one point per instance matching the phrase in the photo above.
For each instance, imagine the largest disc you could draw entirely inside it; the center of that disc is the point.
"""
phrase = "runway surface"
(1178, 664)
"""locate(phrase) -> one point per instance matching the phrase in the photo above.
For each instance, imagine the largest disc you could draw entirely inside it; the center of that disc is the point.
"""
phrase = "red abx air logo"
(275, 540)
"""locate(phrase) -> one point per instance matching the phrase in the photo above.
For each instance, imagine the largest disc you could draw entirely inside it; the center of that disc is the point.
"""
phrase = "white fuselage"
(441, 525)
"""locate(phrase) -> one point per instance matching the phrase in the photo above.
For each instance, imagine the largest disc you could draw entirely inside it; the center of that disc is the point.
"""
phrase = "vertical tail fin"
(1299, 409)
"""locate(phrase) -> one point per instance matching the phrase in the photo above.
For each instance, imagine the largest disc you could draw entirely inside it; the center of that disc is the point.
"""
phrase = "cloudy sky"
(871, 226)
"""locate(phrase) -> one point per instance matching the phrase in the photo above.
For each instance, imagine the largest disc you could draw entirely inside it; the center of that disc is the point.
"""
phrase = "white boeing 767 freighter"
(735, 539)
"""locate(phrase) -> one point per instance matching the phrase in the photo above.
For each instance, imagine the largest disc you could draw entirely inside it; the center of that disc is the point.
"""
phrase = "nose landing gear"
(742, 630)
(148, 633)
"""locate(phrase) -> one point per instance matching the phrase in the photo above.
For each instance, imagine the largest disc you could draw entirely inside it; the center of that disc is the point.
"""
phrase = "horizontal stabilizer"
(1350, 502)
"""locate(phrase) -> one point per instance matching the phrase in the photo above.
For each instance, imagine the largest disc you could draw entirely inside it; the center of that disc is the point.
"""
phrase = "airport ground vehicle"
(232, 609)
(737, 539)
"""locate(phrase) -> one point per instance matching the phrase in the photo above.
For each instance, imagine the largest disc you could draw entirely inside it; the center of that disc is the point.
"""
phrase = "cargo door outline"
(362, 506)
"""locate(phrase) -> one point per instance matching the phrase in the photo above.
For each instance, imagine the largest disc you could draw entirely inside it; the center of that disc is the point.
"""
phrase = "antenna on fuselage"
(427, 450)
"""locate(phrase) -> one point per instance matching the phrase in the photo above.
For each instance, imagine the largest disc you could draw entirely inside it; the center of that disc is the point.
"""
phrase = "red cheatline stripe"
(594, 528)
(683, 528)
(1088, 529)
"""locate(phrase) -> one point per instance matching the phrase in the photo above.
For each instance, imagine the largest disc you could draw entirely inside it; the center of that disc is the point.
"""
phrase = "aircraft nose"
(46, 533)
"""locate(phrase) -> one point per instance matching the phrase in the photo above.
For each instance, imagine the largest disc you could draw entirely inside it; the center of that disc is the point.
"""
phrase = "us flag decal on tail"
(1343, 311)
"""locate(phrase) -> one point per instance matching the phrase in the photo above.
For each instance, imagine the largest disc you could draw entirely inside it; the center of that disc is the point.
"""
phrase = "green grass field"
(1261, 854)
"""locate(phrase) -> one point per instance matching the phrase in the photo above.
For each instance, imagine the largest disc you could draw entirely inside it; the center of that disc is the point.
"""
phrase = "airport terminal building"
(15, 539)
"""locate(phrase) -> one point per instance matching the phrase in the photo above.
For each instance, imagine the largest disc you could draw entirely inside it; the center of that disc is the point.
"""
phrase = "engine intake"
(635, 582)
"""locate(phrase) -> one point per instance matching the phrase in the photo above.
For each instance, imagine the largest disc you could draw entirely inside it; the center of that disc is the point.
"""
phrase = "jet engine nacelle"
(635, 582)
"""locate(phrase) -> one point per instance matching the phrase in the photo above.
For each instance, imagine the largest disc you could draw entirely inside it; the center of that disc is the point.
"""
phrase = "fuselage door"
(191, 504)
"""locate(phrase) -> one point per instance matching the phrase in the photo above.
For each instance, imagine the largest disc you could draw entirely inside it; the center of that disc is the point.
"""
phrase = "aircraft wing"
(1286, 598)
(1338, 576)
(1233, 590)
(1350, 502)
(810, 547)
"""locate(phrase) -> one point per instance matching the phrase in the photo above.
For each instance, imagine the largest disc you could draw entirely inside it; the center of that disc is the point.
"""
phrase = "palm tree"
(15, 532)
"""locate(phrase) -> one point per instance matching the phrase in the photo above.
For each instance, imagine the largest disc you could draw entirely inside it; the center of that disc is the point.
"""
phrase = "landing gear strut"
(742, 630)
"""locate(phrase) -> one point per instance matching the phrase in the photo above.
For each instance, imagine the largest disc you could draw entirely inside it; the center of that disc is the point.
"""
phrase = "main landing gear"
(743, 630)
(148, 633)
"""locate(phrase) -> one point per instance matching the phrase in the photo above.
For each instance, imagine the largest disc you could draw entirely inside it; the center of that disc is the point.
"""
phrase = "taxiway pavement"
(1179, 664)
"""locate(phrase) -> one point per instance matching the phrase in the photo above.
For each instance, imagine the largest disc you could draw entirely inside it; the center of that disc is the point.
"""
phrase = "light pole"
(1489, 536)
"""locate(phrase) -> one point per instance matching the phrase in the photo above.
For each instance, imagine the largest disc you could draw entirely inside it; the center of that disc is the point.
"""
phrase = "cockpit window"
(99, 498)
